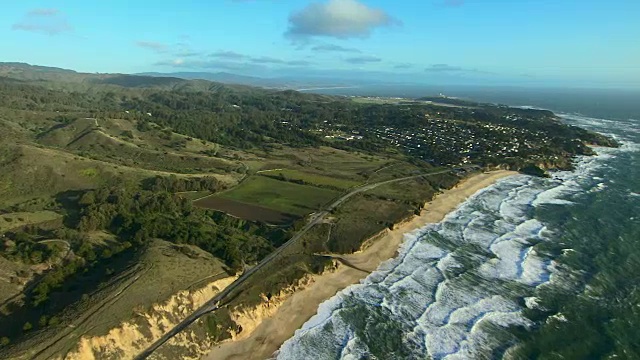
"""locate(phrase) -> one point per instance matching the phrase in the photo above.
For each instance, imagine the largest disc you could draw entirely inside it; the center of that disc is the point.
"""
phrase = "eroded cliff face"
(131, 337)
(248, 319)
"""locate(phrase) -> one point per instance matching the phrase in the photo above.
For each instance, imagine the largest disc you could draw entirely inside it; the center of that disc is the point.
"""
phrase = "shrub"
(27, 326)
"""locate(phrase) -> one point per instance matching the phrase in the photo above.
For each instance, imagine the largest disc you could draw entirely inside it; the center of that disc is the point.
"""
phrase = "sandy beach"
(269, 335)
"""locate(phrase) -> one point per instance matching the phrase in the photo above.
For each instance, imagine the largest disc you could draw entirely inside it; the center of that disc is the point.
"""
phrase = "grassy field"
(324, 161)
(311, 178)
(420, 191)
(103, 140)
(362, 217)
(38, 172)
(280, 195)
(10, 221)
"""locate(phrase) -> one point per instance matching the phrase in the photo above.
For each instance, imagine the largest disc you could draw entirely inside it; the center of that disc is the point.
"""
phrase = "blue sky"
(543, 42)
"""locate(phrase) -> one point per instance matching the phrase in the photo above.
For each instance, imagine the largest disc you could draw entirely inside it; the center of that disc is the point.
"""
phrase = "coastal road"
(316, 218)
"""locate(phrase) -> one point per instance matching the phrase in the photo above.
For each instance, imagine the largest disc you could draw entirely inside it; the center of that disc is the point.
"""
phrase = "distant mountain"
(57, 78)
(27, 72)
(17, 67)
(281, 82)
(23, 71)
(222, 77)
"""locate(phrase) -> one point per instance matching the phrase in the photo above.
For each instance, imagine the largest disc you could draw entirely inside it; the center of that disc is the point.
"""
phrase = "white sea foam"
(531, 302)
(534, 269)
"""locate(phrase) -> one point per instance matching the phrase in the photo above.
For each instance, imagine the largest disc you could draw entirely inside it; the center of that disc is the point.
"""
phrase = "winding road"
(316, 218)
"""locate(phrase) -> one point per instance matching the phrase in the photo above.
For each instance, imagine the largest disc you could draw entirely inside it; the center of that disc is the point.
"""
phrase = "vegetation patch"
(281, 195)
(362, 217)
(89, 172)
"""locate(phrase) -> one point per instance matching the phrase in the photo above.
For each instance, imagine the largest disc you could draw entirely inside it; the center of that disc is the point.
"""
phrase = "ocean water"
(597, 103)
(526, 268)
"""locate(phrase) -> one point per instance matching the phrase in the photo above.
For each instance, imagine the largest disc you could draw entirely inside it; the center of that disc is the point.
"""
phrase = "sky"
(573, 43)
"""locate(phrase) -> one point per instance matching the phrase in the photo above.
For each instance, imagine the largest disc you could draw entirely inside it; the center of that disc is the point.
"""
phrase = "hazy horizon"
(434, 42)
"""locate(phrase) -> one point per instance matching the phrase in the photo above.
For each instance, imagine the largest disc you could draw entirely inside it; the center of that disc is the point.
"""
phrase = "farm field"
(311, 179)
(245, 211)
(281, 196)
(323, 161)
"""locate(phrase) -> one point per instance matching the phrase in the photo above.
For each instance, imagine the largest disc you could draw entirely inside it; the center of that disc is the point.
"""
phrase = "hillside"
(116, 187)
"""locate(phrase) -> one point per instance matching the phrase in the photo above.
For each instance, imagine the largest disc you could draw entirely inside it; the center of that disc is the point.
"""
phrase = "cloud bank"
(230, 60)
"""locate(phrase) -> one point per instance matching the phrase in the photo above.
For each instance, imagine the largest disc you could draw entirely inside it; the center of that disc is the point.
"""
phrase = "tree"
(54, 321)
(27, 326)
(88, 198)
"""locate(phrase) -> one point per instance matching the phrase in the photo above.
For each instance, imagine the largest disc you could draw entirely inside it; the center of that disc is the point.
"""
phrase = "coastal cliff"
(248, 319)
(133, 336)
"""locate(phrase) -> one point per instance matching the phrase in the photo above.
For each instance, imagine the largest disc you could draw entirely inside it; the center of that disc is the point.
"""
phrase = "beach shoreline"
(271, 332)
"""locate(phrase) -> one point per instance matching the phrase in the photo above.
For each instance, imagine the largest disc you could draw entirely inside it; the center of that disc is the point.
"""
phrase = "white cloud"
(45, 21)
(337, 18)
(225, 54)
(363, 59)
(152, 45)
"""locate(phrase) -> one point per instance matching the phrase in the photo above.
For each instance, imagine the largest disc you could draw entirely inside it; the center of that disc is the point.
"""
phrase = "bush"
(54, 320)
(127, 134)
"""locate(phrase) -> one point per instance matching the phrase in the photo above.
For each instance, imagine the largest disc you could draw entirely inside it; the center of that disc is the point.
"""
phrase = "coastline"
(272, 331)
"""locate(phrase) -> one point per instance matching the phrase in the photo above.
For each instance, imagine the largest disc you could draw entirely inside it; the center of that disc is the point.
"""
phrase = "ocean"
(526, 268)
(595, 103)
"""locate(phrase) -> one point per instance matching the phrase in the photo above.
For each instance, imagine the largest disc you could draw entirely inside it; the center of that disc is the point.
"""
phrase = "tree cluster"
(174, 184)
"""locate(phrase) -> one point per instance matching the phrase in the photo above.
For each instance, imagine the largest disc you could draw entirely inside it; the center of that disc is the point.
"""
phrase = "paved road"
(316, 218)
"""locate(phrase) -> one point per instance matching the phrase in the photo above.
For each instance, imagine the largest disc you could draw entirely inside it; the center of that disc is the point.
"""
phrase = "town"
(445, 134)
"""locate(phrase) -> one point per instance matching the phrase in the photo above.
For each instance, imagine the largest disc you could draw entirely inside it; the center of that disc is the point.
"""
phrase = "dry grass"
(10, 221)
